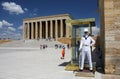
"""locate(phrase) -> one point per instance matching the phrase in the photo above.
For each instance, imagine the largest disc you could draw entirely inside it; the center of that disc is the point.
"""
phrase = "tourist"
(60, 46)
(68, 46)
(56, 46)
(63, 53)
(41, 46)
(44, 46)
(85, 48)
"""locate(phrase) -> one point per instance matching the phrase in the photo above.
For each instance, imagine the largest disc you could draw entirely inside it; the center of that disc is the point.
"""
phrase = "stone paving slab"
(85, 74)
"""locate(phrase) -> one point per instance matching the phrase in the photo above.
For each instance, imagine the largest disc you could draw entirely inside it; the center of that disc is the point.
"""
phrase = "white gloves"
(80, 49)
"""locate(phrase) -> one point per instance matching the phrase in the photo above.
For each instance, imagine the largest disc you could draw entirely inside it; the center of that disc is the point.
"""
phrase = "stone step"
(75, 67)
(84, 73)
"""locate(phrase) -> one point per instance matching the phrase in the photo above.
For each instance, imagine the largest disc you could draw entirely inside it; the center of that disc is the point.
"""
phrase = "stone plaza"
(20, 60)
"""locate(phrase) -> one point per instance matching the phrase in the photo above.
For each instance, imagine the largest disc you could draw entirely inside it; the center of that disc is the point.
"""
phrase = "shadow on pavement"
(64, 63)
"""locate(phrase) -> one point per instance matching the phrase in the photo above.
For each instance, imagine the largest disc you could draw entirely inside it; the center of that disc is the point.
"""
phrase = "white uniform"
(86, 43)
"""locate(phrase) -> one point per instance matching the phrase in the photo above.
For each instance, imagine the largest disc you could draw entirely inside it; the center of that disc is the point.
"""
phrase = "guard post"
(76, 28)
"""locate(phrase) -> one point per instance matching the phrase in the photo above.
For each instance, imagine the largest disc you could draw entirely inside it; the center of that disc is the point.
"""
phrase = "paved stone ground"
(27, 63)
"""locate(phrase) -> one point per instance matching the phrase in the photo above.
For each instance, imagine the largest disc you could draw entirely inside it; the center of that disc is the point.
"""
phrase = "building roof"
(82, 21)
(43, 17)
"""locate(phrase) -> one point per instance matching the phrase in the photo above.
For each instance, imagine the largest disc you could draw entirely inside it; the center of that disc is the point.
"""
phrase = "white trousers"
(86, 51)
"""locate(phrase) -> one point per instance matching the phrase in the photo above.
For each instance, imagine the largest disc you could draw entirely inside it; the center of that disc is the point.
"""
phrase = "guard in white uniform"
(85, 48)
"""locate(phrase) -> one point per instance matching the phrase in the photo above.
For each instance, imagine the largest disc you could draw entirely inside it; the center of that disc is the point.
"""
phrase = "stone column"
(32, 31)
(90, 29)
(68, 30)
(24, 31)
(51, 29)
(46, 29)
(41, 29)
(28, 31)
(36, 30)
(110, 35)
(38, 24)
(56, 29)
(61, 27)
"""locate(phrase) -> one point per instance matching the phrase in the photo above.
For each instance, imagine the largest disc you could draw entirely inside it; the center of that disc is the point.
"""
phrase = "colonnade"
(44, 29)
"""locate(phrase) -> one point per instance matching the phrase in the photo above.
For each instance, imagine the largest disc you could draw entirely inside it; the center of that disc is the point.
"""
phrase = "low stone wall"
(64, 40)
(4, 41)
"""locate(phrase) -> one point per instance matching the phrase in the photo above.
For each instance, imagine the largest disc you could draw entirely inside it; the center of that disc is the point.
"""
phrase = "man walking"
(85, 48)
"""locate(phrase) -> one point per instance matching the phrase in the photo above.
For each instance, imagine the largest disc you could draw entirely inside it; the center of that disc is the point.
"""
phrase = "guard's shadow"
(64, 63)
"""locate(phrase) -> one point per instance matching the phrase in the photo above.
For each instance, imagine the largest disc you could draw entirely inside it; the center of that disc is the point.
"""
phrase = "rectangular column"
(90, 29)
(24, 35)
(56, 29)
(68, 30)
(28, 31)
(51, 29)
(41, 29)
(38, 24)
(46, 29)
(32, 31)
(36, 30)
(61, 27)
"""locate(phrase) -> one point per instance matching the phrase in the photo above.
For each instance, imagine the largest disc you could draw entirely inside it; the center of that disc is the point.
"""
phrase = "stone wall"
(110, 77)
(64, 40)
(110, 34)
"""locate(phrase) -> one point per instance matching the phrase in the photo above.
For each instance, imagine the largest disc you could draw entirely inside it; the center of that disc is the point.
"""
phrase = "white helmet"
(85, 30)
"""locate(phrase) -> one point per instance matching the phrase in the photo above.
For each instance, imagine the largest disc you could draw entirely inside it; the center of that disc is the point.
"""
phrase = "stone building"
(110, 34)
(46, 27)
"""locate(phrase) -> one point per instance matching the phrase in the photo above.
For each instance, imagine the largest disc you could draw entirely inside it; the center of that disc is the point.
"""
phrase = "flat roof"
(81, 21)
(51, 16)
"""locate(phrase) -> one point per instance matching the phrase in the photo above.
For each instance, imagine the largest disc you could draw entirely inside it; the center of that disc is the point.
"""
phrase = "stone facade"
(46, 27)
(110, 34)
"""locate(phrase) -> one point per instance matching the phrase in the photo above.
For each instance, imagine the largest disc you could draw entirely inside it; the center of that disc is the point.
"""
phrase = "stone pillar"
(110, 34)
(38, 24)
(28, 31)
(24, 31)
(36, 30)
(32, 31)
(56, 29)
(46, 29)
(68, 30)
(61, 27)
(51, 29)
(41, 29)
(90, 29)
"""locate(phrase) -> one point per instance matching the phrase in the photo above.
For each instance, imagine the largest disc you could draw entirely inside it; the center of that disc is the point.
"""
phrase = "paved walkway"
(34, 64)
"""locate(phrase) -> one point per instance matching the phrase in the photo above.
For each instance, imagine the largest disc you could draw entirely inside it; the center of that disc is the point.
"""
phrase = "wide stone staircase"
(30, 43)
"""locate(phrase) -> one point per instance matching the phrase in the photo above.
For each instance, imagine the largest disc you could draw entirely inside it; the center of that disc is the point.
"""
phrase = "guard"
(85, 48)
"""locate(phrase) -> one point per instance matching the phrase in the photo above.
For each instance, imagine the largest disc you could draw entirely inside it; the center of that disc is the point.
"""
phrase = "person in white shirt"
(85, 48)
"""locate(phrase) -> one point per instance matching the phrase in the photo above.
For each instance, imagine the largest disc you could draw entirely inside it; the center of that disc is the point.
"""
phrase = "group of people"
(59, 46)
(43, 46)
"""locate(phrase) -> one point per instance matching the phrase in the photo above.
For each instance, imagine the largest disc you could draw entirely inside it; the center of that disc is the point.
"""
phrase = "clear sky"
(12, 12)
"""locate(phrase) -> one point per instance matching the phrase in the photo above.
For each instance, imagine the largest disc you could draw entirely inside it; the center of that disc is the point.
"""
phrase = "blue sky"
(12, 12)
